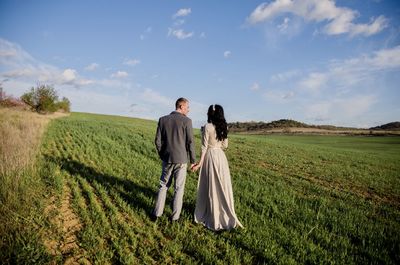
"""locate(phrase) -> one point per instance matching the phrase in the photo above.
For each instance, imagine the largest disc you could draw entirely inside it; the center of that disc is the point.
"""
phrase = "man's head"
(182, 106)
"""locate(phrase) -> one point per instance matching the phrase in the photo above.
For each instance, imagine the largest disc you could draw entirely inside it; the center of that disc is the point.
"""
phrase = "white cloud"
(8, 53)
(227, 54)
(339, 19)
(132, 62)
(179, 22)
(19, 65)
(182, 12)
(92, 67)
(255, 86)
(340, 108)
(352, 71)
(314, 82)
(202, 35)
(319, 111)
(13, 56)
(108, 96)
(151, 96)
(119, 74)
(288, 95)
(382, 59)
(180, 33)
(280, 96)
(285, 76)
(285, 24)
(147, 31)
(69, 75)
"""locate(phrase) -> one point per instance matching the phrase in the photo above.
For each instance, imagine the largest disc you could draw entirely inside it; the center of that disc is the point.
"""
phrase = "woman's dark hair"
(215, 115)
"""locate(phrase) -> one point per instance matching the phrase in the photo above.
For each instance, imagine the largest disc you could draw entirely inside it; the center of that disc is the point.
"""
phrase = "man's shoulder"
(176, 116)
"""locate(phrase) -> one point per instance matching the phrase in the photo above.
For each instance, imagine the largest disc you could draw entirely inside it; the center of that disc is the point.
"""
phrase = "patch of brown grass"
(21, 189)
(20, 135)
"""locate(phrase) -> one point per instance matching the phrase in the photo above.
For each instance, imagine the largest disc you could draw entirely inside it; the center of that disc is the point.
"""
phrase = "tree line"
(42, 99)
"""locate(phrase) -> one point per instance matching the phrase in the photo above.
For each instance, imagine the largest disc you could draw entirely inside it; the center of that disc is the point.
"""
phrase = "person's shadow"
(136, 195)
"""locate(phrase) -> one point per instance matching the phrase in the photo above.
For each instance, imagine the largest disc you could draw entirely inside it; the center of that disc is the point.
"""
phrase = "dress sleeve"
(204, 138)
(225, 144)
(205, 135)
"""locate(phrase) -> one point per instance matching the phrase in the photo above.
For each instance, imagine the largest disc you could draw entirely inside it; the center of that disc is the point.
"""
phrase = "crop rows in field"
(300, 203)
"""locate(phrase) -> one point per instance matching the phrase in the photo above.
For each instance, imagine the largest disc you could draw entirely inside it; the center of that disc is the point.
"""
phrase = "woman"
(214, 204)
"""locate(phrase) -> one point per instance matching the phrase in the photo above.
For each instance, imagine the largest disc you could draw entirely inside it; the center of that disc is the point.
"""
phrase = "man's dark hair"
(179, 102)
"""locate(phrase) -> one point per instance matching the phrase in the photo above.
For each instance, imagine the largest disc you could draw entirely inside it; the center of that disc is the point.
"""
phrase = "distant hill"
(394, 126)
(279, 124)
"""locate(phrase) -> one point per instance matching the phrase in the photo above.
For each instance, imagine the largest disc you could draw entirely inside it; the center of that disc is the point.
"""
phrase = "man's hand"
(194, 167)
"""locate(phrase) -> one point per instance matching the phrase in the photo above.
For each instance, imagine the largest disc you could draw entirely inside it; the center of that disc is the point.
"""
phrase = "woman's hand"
(195, 167)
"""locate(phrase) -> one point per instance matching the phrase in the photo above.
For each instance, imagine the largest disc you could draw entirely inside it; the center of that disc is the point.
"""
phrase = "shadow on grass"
(137, 196)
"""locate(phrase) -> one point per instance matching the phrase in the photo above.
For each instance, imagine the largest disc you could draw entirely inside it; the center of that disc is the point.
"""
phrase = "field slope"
(314, 200)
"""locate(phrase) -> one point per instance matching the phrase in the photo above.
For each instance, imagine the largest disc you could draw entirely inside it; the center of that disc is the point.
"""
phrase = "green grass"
(302, 199)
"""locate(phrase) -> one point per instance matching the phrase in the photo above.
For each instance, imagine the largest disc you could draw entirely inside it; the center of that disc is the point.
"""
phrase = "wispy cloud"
(255, 86)
(314, 82)
(180, 33)
(227, 54)
(119, 74)
(92, 67)
(88, 95)
(340, 108)
(339, 20)
(153, 97)
(183, 12)
(146, 33)
(285, 76)
(278, 96)
(17, 64)
(179, 22)
(285, 24)
(131, 62)
(176, 30)
(353, 71)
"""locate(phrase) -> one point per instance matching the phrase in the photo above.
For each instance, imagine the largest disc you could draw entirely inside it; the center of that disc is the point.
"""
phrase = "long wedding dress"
(214, 204)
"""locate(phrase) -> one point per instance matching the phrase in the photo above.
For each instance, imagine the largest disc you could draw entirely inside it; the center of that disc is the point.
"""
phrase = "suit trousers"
(176, 172)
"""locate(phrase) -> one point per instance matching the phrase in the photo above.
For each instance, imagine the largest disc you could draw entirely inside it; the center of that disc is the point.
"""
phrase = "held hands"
(194, 167)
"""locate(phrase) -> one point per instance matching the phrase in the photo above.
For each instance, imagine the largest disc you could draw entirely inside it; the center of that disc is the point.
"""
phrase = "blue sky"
(315, 61)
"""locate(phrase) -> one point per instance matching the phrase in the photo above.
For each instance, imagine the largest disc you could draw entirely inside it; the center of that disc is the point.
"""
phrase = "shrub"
(44, 99)
(64, 105)
(10, 101)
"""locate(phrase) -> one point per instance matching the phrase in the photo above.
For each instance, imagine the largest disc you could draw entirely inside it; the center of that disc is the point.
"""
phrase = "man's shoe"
(153, 217)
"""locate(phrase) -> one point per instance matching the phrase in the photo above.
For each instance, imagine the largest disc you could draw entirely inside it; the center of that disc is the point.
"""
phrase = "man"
(174, 141)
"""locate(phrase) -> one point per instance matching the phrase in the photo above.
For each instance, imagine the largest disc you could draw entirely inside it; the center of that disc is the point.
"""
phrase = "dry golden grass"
(21, 188)
(20, 136)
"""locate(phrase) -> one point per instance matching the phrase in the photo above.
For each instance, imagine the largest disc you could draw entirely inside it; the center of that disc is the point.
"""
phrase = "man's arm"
(190, 142)
(157, 140)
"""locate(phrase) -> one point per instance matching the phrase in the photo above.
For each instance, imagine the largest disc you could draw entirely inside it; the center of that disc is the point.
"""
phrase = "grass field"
(302, 199)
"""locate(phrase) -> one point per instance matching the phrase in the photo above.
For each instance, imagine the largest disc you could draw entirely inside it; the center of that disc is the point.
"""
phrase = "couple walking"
(174, 141)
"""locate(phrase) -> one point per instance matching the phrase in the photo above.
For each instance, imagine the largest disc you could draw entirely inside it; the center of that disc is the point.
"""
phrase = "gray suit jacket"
(174, 139)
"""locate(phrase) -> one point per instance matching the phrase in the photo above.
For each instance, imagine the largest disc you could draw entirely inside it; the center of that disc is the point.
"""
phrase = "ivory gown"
(214, 204)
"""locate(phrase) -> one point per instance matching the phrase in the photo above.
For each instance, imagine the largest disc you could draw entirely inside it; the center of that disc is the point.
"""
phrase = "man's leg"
(180, 179)
(165, 183)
